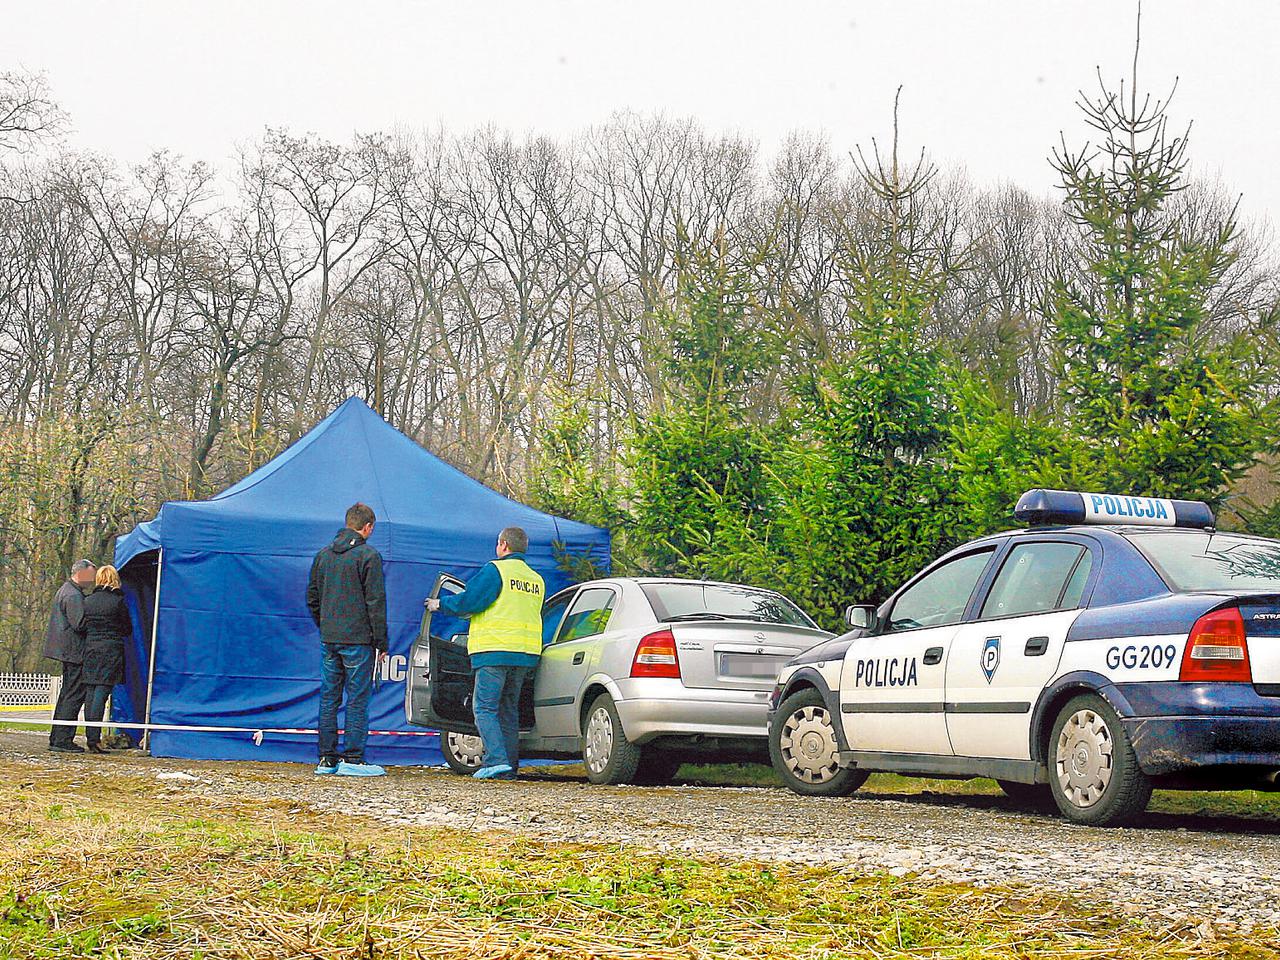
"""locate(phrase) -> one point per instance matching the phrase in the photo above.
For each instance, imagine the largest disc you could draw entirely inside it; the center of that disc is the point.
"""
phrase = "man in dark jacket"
(64, 642)
(348, 601)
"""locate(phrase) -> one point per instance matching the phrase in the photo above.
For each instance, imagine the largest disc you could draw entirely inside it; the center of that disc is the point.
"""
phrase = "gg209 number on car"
(1142, 657)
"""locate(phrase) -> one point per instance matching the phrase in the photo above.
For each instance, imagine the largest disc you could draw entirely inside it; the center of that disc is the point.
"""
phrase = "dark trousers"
(496, 705)
(70, 700)
(346, 668)
(95, 704)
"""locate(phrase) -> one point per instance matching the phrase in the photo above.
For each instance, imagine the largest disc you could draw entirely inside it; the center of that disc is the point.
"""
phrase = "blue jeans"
(496, 705)
(348, 667)
(95, 705)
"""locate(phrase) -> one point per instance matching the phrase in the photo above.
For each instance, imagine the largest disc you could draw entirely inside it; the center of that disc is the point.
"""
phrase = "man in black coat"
(64, 642)
(348, 601)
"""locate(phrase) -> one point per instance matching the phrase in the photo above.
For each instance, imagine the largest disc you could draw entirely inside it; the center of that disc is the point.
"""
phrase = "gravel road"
(1215, 873)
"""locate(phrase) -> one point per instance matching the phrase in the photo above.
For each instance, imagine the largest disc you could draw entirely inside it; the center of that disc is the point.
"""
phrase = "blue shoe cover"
(490, 773)
(360, 770)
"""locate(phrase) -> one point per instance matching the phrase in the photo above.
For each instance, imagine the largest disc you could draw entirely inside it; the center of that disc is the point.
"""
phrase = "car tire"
(463, 752)
(1035, 796)
(657, 768)
(803, 747)
(606, 752)
(1093, 772)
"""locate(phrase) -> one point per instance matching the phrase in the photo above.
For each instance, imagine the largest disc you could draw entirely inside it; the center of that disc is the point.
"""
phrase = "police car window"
(588, 616)
(1212, 561)
(1033, 579)
(552, 611)
(1074, 590)
(939, 597)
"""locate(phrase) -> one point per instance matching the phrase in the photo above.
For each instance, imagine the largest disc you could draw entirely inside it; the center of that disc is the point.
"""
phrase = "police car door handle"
(1036, 646)
(932, 655)
(577, 657)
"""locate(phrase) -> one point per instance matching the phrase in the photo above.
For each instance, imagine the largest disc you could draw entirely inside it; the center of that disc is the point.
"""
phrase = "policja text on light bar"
(1040, 507)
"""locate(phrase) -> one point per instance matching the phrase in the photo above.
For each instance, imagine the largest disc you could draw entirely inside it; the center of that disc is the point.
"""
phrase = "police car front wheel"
(803, 748)
(1093, 771)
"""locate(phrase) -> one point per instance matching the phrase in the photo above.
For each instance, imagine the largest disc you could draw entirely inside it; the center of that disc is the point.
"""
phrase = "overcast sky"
(988, 85)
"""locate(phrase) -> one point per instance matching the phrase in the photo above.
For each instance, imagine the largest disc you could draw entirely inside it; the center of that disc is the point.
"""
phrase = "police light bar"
(1039, 507)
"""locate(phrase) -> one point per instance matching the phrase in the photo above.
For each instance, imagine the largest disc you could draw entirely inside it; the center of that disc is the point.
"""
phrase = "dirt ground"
(1220, 870)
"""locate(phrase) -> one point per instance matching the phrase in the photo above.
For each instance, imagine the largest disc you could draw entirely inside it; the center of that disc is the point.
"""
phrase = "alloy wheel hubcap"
(1084, 762)
(468, 748)
(599, 740)
(808, 745)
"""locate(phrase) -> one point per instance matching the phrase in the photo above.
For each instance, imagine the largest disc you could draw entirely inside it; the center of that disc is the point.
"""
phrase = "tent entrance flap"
(139, 577)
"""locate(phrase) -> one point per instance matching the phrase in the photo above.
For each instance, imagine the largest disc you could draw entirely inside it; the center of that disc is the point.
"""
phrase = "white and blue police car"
(1116, 644)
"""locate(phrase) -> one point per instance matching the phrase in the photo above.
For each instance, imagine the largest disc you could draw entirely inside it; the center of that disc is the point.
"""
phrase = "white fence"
(28, 690)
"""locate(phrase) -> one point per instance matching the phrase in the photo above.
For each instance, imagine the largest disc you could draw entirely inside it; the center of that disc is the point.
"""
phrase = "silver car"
(637, 676)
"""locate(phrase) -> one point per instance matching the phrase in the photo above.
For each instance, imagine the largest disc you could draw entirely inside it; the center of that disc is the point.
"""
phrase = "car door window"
(940, 596)
(1038, 578)
(1074, 590)
(552, 612)
(588, 616)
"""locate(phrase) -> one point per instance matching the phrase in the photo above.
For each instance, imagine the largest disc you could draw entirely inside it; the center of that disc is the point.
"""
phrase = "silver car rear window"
(1212, 561)
(722, 602)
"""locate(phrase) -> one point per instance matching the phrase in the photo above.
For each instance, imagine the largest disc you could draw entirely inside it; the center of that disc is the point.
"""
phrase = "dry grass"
(114, 866)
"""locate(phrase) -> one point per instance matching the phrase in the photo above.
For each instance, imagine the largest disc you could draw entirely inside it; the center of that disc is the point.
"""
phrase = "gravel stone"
(1212, 872)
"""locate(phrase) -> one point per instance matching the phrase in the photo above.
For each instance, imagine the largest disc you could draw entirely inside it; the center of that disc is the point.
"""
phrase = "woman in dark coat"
(106, 625)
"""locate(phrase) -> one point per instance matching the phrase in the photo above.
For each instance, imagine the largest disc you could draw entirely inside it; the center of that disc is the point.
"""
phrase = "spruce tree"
(696, 463)
(1162, 407)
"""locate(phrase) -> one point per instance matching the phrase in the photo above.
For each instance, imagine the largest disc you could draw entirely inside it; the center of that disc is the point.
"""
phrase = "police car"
(1117, 644)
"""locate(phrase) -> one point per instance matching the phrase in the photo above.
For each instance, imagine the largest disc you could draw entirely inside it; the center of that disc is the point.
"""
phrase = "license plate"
(750, 666)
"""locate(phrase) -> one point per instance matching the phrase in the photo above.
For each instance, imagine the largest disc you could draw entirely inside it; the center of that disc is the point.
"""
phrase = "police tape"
(257, 732)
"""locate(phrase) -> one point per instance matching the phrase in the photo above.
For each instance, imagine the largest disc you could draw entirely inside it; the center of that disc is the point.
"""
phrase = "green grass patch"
(126, 870)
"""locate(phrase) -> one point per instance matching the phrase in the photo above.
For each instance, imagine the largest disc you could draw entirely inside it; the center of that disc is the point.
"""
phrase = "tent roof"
(427, 510)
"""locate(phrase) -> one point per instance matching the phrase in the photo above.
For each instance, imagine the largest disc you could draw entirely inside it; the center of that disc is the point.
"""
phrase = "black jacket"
(106, 624)
(346, 594)
(64, 639)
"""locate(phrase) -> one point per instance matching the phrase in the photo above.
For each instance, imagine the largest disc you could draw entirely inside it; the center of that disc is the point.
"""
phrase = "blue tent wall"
(235, 645)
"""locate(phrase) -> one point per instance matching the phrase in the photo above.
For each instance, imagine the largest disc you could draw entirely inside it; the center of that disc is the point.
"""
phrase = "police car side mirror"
(860, 616)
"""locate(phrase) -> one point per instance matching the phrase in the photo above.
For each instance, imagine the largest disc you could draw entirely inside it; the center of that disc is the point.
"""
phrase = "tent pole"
(151, 669)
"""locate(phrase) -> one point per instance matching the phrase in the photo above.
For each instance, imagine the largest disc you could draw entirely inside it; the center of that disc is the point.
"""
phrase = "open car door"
(438, 691)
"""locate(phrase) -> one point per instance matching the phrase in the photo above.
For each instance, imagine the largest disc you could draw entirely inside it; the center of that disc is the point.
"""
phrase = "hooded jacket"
(346, 593)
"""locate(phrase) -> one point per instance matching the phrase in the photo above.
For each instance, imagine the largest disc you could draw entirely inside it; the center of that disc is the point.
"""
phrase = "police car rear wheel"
(1093, 772)
(463, 752)
(803, 748)
(606, 752)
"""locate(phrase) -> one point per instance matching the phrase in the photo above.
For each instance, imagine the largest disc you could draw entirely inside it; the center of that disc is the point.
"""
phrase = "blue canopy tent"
(222, 636)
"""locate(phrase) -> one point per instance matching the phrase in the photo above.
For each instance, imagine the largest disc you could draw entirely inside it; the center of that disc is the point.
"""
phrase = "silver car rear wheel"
(606, 752)
(598, 747)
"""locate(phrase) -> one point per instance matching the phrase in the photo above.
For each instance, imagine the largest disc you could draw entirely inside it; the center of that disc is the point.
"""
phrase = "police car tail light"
(1216, 649)
(656, 656)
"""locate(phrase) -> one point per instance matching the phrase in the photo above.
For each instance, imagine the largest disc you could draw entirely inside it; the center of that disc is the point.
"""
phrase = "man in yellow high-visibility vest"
(504, 602)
